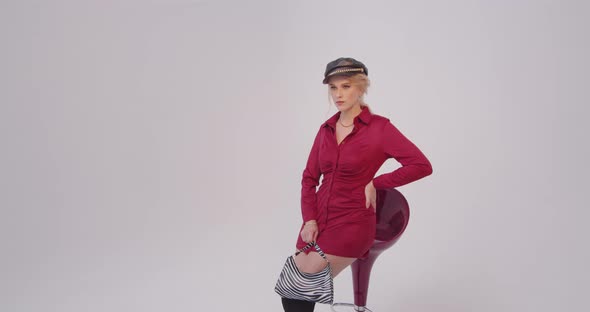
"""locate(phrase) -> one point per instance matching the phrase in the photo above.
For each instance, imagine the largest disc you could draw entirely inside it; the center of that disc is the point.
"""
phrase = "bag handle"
(317, 248)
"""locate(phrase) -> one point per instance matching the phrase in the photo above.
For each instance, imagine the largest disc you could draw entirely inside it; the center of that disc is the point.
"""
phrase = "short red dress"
(346, 227)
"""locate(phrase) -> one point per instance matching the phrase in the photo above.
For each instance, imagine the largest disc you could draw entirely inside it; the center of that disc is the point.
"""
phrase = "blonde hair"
(362, 82)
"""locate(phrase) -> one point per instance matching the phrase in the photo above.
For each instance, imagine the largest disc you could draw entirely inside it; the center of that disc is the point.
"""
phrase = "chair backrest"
(393, 215)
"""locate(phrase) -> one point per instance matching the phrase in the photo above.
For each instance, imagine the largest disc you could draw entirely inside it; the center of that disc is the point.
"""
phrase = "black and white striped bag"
(316, 287)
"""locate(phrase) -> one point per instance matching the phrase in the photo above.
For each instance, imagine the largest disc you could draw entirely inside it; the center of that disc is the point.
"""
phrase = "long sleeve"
(414, 164)
(309, 182)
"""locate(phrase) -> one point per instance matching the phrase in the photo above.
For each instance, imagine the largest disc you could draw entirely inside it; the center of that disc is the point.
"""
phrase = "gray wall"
(151, 151)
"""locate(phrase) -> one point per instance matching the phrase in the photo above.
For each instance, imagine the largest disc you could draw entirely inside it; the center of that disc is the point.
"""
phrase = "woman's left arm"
(414, 164)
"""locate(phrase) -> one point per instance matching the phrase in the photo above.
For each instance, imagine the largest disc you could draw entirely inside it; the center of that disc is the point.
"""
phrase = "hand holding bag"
(316, 287)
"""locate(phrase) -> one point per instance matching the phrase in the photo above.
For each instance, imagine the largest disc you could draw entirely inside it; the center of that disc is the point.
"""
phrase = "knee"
(310, 263)
(338, 264)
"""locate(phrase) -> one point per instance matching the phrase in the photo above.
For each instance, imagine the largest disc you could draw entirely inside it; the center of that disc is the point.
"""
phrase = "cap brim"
(349, 74)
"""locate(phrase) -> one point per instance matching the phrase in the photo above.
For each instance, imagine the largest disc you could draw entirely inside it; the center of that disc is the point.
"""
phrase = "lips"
(339, 102)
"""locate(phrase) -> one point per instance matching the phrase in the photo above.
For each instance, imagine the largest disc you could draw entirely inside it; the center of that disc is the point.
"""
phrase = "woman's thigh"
(313, 262)
(338, 263)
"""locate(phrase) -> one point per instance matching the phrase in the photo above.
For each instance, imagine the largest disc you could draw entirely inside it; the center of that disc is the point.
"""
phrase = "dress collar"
(364, 117)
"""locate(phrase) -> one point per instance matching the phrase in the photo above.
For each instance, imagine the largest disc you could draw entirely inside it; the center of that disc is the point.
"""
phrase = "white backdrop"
(152, 151)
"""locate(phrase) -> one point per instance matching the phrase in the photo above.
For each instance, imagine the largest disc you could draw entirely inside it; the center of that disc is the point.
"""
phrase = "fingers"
(370, 199)
(309, 232)
(371, 202)
(307, 236)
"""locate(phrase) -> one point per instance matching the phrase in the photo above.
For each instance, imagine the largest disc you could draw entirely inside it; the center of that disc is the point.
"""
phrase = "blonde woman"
(348, 150)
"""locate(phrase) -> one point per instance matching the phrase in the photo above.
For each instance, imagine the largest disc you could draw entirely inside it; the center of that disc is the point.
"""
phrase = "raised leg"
(313, 262)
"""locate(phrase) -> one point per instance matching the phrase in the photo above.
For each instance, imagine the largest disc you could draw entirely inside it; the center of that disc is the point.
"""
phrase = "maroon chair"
(393, 214)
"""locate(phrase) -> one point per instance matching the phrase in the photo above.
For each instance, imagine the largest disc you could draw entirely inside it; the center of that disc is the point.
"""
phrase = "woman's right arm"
(309, 182)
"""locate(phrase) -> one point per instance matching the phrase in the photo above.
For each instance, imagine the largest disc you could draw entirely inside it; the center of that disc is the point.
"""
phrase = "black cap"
(344, 66)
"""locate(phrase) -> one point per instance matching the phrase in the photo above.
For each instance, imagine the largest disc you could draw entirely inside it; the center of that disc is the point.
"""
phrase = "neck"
(347, 116)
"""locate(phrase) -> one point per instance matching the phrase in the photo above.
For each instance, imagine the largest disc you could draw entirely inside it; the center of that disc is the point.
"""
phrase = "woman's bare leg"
(338, 263)
(313, 262)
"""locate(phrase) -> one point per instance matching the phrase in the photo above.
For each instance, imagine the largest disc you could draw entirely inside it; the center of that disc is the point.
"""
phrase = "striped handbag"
(316, 287)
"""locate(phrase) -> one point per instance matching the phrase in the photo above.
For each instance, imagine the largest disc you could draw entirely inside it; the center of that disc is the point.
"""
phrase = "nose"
(338, 93)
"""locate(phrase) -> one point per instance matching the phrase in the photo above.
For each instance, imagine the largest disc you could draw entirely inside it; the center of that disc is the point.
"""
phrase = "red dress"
(346, 227)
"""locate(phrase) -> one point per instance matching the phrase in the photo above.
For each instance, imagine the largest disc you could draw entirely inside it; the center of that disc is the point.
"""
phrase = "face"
(344, 94)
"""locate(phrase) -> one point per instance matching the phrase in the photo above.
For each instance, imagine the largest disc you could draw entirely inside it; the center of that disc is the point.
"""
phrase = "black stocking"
(294, 305)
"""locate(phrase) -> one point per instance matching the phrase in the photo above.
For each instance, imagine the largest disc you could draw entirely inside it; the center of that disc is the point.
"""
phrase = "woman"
(348, 150)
